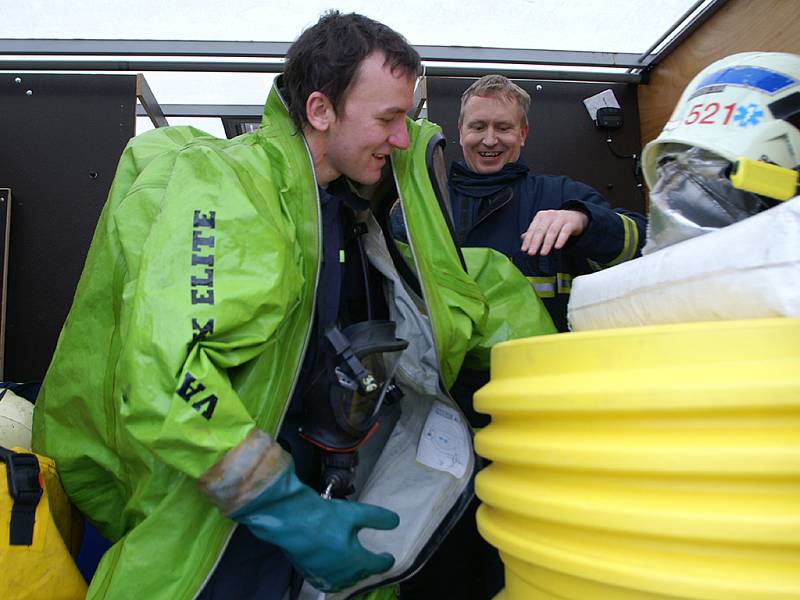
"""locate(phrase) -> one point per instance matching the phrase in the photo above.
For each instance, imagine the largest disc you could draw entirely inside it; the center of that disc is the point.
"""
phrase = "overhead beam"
(207, 110)
(277, 50)
(139, 65)
(251, 67)
(544, 74)
(34, 47)
(521, 56)
(651, 60)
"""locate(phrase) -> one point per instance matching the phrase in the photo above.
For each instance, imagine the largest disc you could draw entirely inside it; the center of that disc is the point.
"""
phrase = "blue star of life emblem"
(748, 115)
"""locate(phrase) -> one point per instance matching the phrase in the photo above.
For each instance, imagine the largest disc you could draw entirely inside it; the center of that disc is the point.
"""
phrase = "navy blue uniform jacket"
(494, 210)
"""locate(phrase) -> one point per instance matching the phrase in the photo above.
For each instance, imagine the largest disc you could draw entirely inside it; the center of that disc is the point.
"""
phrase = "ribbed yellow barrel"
(643, 463)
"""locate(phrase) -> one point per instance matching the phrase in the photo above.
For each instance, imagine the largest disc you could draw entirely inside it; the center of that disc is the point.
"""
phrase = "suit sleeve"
(207, 292)
(612, 235)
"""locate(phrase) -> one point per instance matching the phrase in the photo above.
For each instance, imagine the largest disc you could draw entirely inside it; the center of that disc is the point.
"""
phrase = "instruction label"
(601, 100)
(443, 444)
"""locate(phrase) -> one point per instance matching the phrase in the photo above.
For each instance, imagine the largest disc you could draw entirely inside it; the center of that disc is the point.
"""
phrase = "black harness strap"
(25, 489)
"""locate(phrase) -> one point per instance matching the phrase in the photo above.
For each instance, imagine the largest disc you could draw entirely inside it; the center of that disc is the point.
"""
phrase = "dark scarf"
(467, 182)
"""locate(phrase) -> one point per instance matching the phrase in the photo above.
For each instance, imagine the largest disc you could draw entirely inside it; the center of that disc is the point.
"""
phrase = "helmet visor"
(693, 195)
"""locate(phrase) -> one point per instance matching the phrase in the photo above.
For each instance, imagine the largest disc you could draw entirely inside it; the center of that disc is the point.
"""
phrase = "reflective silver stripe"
(564, 283)
(631, 237)
(595, 266)
(629, 245)
(545, 287)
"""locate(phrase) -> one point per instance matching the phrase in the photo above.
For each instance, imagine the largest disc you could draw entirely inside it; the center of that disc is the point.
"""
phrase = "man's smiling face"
(491, 132)
(372, 121)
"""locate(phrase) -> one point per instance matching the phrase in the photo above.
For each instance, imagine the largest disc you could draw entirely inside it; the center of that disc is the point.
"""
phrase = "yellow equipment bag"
(41, 531)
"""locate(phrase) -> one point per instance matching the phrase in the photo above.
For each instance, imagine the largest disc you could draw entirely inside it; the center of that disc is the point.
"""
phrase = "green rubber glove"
(319, 536)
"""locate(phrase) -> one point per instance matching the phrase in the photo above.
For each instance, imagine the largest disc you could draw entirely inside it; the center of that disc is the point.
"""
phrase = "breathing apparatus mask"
(730, 150)
(353, 386)
(694, 194)
(345, 398)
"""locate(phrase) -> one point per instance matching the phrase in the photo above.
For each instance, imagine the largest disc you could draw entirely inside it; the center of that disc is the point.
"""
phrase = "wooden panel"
(739, 26)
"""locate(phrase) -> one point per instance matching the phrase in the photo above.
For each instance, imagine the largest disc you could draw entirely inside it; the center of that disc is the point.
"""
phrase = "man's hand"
(551, 229)
(319, 536)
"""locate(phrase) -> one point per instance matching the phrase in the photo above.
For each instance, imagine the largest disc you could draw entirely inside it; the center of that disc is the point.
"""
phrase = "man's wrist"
(577, 206)
(245, 471)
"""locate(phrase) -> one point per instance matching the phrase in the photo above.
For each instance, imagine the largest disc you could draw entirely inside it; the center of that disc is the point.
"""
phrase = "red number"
(694, 114)
(729, 108)
(711, 110)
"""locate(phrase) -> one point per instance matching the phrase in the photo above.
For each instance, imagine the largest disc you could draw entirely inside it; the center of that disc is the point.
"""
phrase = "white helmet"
(745, 105)
(16, 417)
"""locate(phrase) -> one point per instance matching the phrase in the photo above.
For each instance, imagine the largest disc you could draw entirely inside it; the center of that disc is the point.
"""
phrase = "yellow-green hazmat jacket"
(189, 326)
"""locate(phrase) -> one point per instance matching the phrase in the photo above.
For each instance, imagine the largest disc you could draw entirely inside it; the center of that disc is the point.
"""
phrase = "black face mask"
(344, 401)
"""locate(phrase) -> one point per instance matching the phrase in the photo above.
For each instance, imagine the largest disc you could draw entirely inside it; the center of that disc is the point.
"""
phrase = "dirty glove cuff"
(245, 471)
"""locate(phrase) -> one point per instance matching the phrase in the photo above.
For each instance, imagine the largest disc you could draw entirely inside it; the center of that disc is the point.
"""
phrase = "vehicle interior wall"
(739, 26)
(62, 137)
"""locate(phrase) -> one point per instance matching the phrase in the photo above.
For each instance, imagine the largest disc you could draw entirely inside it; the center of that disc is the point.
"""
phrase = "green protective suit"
(189, 326)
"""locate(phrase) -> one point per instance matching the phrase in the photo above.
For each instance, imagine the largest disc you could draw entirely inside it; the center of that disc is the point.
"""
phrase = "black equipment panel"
(62, 136)
(562, 138)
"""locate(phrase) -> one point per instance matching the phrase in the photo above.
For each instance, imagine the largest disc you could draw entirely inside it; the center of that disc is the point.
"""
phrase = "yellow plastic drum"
(655, 462)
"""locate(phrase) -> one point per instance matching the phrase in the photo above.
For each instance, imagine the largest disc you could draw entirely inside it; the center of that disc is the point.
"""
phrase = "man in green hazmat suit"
(247, 334)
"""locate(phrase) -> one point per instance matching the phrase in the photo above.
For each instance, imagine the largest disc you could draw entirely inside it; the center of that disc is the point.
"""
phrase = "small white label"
(601, 100)
(443, 443)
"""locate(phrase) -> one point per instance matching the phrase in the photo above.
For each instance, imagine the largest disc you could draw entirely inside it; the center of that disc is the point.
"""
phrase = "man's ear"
(524, 132)
(319, 111)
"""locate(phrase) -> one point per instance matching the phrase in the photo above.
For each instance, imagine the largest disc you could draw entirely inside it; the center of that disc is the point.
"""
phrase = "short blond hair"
(497, 85)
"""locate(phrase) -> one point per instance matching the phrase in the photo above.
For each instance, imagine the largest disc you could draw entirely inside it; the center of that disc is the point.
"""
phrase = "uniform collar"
(467, 182)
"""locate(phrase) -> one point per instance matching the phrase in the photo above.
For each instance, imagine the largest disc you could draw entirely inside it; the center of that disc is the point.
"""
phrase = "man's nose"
(489, 138)
(399, 135)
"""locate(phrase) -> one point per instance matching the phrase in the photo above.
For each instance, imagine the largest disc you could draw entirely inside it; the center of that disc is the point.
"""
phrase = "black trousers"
(249, 570)
(465, 566)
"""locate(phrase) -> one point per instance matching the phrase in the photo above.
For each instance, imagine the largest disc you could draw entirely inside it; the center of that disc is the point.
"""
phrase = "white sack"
(748, 270)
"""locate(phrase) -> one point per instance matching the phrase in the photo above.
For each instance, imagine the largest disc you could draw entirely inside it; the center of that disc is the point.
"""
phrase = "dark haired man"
(237, 291)
(552, 228)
